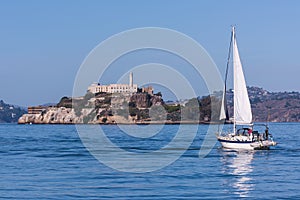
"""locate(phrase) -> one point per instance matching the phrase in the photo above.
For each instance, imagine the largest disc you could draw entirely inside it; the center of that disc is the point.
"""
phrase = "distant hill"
(271, 106)
(10, 113)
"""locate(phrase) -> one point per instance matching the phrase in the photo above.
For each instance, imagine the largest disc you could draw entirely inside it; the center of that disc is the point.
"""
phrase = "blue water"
(50, 162)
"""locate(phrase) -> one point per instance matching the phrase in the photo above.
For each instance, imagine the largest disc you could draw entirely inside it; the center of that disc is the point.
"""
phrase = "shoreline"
(110, 124)
(137, 123)
(140, 123)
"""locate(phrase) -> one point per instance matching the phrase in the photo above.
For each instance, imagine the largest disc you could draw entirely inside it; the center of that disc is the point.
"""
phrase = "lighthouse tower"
(131, 79)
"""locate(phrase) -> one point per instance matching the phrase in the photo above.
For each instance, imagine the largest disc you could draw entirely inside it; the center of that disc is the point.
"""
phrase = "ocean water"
(51, 162)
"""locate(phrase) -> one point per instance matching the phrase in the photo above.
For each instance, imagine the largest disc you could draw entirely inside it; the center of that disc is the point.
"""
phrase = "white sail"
(242, 108)
(223, 111)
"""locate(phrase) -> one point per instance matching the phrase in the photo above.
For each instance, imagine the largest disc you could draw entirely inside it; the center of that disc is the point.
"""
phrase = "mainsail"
(242, 108)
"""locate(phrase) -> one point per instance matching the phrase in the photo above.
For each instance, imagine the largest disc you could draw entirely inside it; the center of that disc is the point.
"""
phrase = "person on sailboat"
(250, 133)
(267, 133)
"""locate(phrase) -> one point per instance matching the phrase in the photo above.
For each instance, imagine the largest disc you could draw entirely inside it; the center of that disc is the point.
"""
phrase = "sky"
(43, 43)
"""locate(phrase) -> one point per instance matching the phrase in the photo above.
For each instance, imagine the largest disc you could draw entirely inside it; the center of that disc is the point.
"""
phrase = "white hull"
(229, 145)
(246, 145)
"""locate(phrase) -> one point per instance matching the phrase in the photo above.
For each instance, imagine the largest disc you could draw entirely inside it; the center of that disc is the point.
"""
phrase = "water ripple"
(50, 162)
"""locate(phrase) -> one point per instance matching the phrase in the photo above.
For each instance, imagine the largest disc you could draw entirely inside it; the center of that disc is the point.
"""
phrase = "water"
(50, 162)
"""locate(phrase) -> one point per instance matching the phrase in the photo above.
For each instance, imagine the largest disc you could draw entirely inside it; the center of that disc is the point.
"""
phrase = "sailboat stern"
(263, 145)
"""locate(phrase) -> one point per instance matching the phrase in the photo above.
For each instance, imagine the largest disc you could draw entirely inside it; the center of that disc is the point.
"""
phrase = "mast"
(234, 43)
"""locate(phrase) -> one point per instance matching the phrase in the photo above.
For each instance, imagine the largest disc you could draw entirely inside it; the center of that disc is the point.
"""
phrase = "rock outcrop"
(52, 115)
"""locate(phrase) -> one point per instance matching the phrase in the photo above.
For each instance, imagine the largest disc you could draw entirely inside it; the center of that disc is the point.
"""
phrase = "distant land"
(10, 113)
(272, 106)
(144, 107)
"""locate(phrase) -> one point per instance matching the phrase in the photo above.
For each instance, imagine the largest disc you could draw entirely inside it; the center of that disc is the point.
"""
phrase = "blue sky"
(43, 43)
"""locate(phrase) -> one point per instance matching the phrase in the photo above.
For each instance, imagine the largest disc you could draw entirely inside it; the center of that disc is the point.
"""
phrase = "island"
(129, 104)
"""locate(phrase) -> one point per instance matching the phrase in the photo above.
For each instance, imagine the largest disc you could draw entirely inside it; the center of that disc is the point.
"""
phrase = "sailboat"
(243, 135)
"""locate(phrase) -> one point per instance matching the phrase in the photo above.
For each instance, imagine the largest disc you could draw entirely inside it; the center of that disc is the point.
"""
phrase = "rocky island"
(106, 108)
(128, 104)
(117, 103)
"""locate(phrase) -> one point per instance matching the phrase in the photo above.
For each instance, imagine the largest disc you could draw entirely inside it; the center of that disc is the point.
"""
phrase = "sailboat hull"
(247, 145)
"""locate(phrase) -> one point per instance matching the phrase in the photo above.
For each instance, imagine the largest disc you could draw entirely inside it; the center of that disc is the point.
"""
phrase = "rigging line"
(225, 81)
(228, 59)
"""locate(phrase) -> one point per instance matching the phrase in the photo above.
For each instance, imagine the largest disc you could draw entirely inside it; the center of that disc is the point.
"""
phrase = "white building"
(114, 88)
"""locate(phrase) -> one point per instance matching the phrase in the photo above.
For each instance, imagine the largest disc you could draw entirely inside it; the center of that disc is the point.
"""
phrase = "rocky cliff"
(52, 115)
(101, 108)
